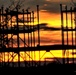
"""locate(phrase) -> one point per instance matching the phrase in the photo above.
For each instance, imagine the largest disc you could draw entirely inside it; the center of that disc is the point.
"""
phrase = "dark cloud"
(44, 27)
(51, 28)
(44, 5)
(52, 6)
(48, 5)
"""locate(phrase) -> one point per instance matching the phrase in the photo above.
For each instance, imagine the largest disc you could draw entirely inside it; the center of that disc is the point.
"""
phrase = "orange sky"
(52, 19)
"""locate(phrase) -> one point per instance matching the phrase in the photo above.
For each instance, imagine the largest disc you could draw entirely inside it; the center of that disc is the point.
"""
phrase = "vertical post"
(0, 40)
(38, 31)
(72, 34)
(33, 28)
(28, 33)
(24, 34)
(63, 51)
(6, 38)
(12, 42)
(67, 34)
(31, 36)
(75, 23)
(33, 33)
(2, 34)
(3, 45)
(38, 25)
(18, 38)
(28, 26)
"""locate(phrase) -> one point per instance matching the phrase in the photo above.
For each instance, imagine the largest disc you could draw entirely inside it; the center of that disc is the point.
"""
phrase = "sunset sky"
(50, 15)
(49, 9)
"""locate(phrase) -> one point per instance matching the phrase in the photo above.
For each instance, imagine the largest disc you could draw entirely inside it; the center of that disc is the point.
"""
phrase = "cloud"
(44, 26)
(51, 28)
(52, 6)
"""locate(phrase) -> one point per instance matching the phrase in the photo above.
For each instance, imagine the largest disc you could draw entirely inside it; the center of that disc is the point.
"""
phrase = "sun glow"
(50, 18)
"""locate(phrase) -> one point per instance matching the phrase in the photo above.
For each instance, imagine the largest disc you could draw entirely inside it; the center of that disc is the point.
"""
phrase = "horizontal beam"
(14, 13)
(68, 11)
(39, 48)
(69, 29)
(15, 31)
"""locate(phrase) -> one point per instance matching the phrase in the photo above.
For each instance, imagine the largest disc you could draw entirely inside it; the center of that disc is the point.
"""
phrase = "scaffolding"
(11, 26)
(18, 23)
(68, 25)
(18, 39)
